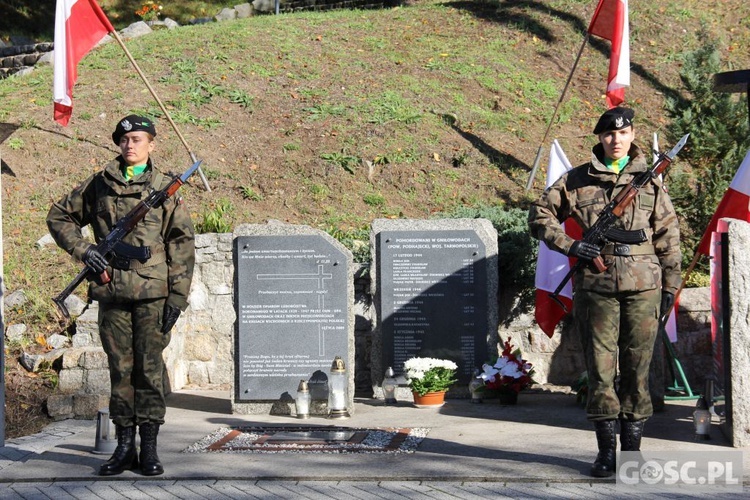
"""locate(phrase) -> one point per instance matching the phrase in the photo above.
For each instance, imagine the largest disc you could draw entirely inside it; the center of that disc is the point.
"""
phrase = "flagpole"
(161, 105)
(530, 182)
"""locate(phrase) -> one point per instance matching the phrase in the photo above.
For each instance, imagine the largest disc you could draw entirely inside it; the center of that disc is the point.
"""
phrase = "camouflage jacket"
(101, 200)
(582, 193)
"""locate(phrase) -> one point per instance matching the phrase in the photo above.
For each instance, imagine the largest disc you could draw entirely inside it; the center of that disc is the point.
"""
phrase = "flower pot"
(507, 398)
(429, 400)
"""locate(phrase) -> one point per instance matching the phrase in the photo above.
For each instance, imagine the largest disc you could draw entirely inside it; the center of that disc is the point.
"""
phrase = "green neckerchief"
(130, 171)
(616, 165)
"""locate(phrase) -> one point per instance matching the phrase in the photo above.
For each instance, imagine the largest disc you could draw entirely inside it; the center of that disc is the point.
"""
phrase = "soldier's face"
(617, 142)
(136, 146)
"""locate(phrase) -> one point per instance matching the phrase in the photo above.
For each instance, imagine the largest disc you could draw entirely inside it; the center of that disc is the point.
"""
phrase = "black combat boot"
(125, 456)
(631, 432)
(150, 464)
(606, 438)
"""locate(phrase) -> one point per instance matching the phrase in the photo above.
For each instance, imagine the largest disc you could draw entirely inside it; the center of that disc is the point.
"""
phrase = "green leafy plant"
(250, 194)
(374, 199)
(430, 374)
(214, 221)
(242, 98)
(345, 161)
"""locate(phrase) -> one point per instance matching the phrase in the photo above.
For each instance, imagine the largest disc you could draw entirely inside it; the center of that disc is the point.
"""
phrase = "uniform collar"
(637, 162)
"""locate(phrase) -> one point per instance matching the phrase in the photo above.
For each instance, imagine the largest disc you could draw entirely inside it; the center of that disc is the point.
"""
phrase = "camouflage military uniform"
(132, 303)
(617, 309)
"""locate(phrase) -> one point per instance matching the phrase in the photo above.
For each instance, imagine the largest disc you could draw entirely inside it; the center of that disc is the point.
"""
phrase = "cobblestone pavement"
(471, 451)
(240, 489)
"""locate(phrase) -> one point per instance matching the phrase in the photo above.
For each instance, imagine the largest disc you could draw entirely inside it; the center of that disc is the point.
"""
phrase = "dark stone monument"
(436, 293)
(293, 296)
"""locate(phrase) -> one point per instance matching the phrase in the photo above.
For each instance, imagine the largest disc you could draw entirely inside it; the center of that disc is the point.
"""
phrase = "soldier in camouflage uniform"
(150, 277)
(616, 311)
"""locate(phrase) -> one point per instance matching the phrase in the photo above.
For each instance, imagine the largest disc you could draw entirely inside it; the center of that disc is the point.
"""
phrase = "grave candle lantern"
(302, 401)
(337, 390)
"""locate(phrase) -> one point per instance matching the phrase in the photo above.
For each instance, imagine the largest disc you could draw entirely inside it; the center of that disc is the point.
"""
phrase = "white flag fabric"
(79, 26)
(551, 266)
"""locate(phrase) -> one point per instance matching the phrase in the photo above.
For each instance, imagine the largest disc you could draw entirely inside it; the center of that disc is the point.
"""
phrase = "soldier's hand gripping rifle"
(121, 228)
(603, 229)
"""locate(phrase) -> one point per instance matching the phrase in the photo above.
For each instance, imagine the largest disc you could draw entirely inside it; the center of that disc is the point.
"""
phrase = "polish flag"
(610, 22)
(671, 325)
(551, 266)
(735, 204)
(79, 26)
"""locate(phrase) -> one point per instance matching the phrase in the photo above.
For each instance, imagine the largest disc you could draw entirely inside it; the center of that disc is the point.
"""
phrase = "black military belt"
(622, 250)
(126, 264)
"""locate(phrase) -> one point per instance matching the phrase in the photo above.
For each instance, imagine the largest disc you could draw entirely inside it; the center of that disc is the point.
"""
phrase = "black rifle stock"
(121, 228)
(597, 233)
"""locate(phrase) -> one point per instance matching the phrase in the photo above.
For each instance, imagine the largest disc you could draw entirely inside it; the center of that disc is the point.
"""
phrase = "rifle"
(123, 227)
(603, 230)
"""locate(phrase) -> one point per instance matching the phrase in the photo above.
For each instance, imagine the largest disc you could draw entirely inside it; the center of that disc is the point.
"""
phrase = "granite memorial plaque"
(433, 296)
(292, 305)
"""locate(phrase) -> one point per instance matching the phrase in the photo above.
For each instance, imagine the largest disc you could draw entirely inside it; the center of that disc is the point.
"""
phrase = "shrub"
(719, 138)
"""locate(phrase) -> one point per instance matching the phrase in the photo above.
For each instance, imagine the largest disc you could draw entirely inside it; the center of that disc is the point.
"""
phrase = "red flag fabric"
(79, 26)
(551, 266)
(610, 22)
(735, 204)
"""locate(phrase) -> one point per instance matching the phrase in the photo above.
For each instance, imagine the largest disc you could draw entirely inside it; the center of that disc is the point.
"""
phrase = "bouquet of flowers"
(149, 11)
(510, 373)
(429, 374)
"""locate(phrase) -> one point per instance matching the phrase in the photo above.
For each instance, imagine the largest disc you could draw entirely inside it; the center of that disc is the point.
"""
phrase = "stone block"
(94, 359)
(60, 406)
(87, 406)
(206, 240)
(72, 358)
(70, 381)
(83, 340)
(96, 382)
(244, 10)
(226, 14)
(135, 30)
(197, 373)
(200, 348)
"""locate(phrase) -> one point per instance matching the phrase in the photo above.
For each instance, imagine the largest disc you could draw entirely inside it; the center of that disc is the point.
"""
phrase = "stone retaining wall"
(200, 352)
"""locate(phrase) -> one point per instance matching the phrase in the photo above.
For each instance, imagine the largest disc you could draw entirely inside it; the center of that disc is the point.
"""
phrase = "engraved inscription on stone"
(292, 311)
(433, 297)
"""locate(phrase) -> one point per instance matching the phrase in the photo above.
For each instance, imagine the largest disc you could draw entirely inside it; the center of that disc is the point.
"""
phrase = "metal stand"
(679, 380)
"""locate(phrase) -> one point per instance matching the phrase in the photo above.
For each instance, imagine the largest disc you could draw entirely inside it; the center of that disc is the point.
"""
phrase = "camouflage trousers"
(132, 339)
(618, 328)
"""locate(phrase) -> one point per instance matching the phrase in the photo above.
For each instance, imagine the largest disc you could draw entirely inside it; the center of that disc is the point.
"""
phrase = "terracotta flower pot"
(429, 400)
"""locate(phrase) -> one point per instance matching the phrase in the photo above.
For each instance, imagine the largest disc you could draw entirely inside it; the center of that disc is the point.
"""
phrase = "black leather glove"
(584, 250)
(171, 314)
(667, 301)
(94, 260)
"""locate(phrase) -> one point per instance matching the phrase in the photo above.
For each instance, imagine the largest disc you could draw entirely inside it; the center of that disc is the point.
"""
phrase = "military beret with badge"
(614, 119)
(133, 123)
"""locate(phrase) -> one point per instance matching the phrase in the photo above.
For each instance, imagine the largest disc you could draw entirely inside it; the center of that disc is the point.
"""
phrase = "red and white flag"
(610, 22)
(735, 204)
(79, 26)
(671, 325)
(551, 266)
